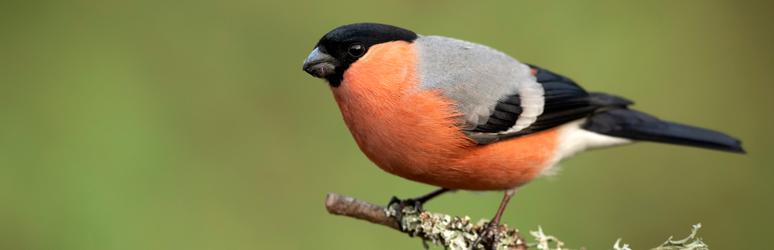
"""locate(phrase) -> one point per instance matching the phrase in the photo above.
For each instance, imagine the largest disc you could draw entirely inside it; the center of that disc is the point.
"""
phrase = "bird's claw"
(491, 231)
(399, 210)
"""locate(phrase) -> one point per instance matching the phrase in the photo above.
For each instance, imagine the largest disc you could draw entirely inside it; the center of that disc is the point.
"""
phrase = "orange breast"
(415, 133)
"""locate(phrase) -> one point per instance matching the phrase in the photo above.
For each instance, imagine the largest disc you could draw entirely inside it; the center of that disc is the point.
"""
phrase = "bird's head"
(343, 46)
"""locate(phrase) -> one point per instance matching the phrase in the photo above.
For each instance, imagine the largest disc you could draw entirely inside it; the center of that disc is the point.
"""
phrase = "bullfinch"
(463, 116)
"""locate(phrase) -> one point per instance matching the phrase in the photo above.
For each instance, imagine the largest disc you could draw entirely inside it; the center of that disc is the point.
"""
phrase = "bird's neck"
(397, 125)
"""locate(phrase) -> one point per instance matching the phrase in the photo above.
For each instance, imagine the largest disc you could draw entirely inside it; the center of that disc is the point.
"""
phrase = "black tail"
(632, 124)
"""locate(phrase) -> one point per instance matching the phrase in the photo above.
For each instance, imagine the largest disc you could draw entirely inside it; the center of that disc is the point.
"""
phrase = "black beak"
(319, 64)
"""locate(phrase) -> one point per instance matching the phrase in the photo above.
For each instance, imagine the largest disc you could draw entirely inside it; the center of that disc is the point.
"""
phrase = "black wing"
(565, 101)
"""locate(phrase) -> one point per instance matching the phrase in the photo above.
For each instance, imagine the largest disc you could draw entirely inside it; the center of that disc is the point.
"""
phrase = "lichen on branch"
(457, 233)
(452, 232)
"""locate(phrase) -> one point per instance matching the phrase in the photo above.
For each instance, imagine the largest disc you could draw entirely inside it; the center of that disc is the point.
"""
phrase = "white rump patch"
(573, 140)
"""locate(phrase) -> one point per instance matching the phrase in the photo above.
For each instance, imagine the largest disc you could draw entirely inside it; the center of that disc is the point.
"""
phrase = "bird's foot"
(415, 203)
(492, 232)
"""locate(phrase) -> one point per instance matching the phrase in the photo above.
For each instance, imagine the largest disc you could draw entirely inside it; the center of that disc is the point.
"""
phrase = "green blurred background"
(190, 125)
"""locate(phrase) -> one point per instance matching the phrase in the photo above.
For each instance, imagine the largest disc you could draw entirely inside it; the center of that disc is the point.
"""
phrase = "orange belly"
(497, 166)
(415, 133)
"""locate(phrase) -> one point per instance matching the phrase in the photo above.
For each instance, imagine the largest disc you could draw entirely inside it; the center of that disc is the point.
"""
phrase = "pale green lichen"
(458, 233)
(625, 246)
(543, 240)
(697, 244)
(670, 244)
(455, 233)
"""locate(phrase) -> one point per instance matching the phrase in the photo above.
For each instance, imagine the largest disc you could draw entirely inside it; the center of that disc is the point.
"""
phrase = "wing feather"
(564, 101)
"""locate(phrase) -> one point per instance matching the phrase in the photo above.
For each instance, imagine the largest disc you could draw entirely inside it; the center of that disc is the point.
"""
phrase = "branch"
(457, 233)
(440, 229)
(348, 206)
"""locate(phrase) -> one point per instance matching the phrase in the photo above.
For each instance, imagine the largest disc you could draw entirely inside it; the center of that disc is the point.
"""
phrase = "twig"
(458, 233)
(348, 206)
(440, 229)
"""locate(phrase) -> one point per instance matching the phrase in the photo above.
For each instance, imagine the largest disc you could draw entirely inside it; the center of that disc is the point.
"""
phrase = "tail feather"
(632, 124)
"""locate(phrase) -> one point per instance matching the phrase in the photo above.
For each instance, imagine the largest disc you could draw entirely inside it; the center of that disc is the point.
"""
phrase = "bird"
(463, 116)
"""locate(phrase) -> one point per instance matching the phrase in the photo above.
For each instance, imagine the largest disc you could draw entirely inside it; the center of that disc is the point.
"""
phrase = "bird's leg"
(493, 228)
(416, 202)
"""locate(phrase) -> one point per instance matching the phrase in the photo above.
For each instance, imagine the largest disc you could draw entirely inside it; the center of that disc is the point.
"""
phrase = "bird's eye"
(356, 49)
